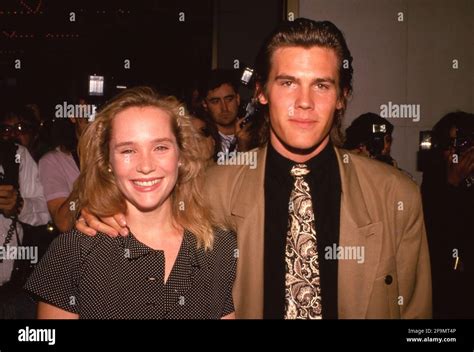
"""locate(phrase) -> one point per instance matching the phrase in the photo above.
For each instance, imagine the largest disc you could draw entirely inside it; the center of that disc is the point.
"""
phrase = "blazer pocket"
(386, 282)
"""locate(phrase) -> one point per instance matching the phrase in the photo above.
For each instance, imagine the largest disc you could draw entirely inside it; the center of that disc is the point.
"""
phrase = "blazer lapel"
(357, 229)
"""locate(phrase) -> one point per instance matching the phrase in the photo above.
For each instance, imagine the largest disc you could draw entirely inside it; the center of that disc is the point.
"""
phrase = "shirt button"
(388, 279)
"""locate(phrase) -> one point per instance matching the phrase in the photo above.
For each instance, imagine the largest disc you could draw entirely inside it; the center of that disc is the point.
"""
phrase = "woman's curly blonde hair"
(96, 189)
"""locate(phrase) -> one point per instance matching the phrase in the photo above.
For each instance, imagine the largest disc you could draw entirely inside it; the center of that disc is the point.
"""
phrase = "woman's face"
(144, 157)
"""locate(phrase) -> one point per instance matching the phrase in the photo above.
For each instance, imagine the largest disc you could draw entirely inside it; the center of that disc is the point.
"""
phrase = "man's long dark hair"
(307, 33)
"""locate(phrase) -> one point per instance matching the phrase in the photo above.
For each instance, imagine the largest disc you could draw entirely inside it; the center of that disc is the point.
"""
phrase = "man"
(370, 135)
(361, 250)
(21, 202)
(221, 101)
(20, 126)
(448, 203)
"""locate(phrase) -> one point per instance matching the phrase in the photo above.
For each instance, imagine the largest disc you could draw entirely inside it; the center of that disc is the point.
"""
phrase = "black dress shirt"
(325, 186)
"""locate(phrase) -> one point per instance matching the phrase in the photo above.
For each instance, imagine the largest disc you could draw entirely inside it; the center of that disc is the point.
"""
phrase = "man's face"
(222, 104)
(303, 94)
(447, 153)
(15, 131)
(387, 144)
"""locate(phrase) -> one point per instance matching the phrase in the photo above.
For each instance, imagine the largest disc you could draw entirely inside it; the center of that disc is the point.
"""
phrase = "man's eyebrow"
(286, 77)
(325, 80)
(157, 140)
(219, 98)
(317, 80)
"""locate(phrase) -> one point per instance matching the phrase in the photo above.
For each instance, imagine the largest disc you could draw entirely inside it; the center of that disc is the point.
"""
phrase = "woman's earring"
(109, 169)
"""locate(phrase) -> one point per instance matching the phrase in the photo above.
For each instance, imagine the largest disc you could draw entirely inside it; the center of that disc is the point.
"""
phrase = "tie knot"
(299, 170)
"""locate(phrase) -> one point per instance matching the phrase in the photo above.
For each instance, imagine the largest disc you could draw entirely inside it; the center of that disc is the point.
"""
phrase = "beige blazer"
(380, 211)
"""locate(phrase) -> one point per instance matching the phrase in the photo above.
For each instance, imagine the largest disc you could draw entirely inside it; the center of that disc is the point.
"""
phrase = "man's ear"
(261, 94)
(237, 96)
(342, 99)
(204, 105)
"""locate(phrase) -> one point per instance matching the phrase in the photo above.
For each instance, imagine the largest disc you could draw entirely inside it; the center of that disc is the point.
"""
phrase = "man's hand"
(112, 226)
(463, 168)
(8, 197)
(243, 136)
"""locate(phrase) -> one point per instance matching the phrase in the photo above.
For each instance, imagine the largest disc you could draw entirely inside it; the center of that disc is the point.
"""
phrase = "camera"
(247, 76)
(463, 141)
(248, 108)
(426, 140)
(376, 142)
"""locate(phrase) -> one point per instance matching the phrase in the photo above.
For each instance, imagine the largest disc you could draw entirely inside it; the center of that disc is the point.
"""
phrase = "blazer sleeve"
(413, 262)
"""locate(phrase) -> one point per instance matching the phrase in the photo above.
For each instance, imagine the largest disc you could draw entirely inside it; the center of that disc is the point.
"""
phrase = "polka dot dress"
(121, 278)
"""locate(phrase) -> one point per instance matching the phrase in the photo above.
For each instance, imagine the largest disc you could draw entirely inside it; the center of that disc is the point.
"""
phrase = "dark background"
(58, 55)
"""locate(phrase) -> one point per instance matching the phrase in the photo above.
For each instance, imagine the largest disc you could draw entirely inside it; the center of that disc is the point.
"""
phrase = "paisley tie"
(302, 284)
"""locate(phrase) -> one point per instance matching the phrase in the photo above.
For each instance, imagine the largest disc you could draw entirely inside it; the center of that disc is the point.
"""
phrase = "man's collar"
(279, 162)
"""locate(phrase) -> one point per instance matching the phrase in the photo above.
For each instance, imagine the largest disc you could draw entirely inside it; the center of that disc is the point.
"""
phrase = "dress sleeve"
(55, 278)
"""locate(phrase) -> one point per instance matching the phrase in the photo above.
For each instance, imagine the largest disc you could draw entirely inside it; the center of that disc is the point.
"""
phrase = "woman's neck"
(156, 228)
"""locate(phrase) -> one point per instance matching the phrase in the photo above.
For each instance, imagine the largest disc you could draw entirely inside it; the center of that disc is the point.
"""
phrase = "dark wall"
(242, 25)
(57, 55)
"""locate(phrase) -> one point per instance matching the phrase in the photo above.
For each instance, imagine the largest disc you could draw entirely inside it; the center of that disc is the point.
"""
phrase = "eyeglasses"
(18, 128)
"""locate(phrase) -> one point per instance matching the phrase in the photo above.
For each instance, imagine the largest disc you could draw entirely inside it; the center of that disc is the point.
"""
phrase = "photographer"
(21, 202)
(20, 125)
(371, 135)
(448, 203)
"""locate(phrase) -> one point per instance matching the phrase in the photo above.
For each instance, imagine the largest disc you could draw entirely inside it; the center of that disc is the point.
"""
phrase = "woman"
(140, 156)
(59, 168)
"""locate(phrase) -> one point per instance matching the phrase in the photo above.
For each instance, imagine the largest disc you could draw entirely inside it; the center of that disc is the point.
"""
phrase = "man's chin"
(303, 148)
(227, 121)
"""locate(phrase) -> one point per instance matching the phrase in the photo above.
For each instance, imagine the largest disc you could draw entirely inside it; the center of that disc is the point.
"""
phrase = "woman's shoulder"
(224, 240)
(77, 240)
(53, 156)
